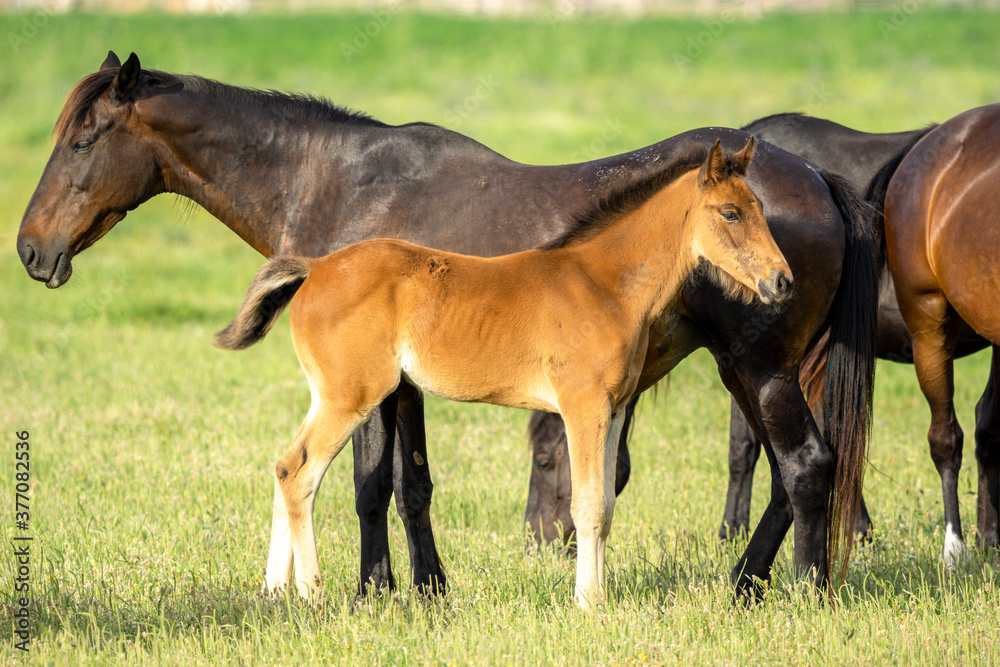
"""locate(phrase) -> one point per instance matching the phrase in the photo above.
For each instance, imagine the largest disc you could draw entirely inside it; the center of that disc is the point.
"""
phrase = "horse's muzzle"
(777, 287)
(52, 268)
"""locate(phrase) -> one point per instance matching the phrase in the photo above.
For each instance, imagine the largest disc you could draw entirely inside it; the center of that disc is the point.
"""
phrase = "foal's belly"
(452, 375)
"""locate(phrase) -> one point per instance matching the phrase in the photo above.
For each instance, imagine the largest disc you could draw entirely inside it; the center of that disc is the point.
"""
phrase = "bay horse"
(943, 247)
(870, 160)
(296, 175)
(519, 330)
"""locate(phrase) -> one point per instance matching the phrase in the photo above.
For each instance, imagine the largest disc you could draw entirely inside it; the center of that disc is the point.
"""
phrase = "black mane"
(305, 107)
(297, 105)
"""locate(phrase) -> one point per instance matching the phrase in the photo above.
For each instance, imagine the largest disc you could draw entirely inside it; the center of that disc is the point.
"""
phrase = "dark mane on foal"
(306, 107)
(627, 199)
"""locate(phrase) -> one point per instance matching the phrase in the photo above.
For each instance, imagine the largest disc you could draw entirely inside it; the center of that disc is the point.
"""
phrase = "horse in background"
(870, 161)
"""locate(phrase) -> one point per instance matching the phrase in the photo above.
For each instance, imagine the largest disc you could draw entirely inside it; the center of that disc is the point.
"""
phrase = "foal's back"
(467, 328)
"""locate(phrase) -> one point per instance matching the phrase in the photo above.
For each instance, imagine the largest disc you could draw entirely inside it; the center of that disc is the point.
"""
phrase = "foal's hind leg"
(300, 471)
(988, 457)
(278, 572)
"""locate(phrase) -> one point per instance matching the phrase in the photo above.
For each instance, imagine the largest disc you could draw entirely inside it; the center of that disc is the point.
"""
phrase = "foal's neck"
(645, 257)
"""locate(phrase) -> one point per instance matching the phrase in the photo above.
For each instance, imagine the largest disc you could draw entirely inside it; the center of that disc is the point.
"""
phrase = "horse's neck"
(645, 257)
(260, 174)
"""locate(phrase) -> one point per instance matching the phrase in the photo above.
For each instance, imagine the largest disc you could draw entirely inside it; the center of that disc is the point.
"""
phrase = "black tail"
(850, 375)
(271, 290)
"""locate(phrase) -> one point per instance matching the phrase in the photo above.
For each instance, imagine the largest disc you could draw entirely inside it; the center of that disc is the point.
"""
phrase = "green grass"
(152, 451)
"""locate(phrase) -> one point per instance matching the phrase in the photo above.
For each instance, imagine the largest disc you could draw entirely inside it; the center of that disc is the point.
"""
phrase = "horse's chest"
(672, 337)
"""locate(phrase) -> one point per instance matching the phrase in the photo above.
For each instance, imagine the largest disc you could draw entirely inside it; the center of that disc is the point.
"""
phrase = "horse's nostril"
(784, 284)
(27, 254)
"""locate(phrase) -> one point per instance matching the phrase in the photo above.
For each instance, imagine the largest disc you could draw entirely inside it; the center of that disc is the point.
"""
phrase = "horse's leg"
(613, 440)
(278, 572)
(805, 464)
(755, 563)
(934, 330)
(373, 446)
(623, 462)
(744, 450)
(988, 457)
(300, 471)
(592, 435)
(412, 480)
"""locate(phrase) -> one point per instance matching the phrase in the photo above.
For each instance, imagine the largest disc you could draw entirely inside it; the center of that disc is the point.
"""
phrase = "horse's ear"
(126, 79)
(742, 159)
(713, 167)
(111, 62)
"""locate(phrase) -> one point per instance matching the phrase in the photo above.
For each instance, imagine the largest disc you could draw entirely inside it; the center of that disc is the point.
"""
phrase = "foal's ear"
(126, 79)
(742, 159)
(713, 167)
(111, 62)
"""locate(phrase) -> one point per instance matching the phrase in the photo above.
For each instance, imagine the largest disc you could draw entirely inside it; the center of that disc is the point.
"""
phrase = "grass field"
(152, 452)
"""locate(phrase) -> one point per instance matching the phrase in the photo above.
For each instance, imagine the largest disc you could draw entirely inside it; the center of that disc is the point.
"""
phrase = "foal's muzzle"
(776, 288)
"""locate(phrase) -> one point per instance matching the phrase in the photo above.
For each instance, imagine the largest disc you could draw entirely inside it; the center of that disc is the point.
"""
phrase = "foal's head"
(730, 233)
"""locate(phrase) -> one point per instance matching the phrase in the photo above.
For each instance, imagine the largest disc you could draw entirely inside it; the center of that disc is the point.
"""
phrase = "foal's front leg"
(592, 434)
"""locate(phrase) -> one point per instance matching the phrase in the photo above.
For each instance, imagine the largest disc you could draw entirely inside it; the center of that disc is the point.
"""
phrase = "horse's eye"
(730, 216)
(83, 146)
(543, 463)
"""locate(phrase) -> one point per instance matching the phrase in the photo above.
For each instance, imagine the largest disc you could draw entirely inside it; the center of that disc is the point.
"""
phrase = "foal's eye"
(543, 463)
(730, 216)
(83, 146)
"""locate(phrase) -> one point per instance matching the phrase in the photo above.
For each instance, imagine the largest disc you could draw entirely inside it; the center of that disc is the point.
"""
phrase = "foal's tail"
(271, 290)
(850, 374)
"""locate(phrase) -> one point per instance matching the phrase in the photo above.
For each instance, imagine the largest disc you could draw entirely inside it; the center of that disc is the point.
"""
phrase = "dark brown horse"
(869, 159)
(943, 247)
(296, 175)
(857, 156)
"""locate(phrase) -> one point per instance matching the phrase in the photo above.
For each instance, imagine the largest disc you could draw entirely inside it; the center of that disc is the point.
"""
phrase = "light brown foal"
(563, 328)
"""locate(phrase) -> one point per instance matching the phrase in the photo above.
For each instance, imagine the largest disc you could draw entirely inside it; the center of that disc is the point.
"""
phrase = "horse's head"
(731, 234)
(98, 171)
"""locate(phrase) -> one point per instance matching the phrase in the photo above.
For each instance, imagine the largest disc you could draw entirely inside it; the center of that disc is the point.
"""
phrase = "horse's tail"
(271, 290)
(850, 372)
